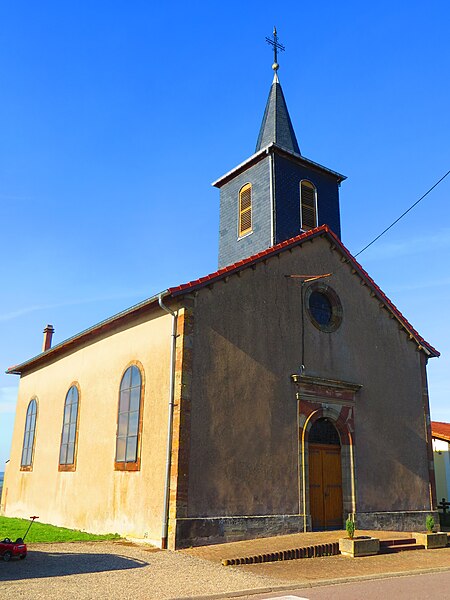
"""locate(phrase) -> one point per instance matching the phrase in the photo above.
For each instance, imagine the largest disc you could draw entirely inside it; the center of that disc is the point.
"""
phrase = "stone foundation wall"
(395, 521)
(215, 530)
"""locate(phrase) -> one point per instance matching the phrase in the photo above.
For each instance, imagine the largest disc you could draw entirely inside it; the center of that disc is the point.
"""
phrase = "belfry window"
(308, 205)
(28, 438)
(129, 422)
(69, 433)
(245, 209)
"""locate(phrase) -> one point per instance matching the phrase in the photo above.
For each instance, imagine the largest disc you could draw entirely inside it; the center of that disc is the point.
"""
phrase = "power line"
(402, 215)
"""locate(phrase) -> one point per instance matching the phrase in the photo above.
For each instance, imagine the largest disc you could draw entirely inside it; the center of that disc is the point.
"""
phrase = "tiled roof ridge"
(317, 231)
(440, 429)
(237, 266)
(388, 301)
(222, 273)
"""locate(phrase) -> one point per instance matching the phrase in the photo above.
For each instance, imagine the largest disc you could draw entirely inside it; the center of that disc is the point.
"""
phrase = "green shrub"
(429, 523)
(350, 527)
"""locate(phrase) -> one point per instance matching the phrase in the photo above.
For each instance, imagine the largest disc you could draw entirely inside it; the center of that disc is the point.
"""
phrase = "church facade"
(279, 394)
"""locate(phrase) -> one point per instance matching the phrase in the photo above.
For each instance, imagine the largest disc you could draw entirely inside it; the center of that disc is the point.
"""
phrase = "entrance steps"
(399, 545)
(390, 546)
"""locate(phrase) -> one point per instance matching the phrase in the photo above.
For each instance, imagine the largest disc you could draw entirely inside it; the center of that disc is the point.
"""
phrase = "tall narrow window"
(129, 421)
(69, 431)
(28, 439)
(308, 206)
(245, 209)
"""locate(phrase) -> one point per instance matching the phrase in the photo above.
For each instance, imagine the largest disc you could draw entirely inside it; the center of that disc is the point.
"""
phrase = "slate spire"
(276, 126)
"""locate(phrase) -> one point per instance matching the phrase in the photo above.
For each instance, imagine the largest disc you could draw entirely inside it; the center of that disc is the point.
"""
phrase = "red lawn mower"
(17, 549)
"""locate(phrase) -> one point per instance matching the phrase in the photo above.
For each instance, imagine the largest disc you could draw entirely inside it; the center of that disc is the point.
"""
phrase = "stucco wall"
(247, 343)
(95, 497)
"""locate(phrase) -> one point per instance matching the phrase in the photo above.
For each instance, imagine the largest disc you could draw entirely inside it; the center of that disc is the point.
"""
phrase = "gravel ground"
(110, 570)
(113, 570)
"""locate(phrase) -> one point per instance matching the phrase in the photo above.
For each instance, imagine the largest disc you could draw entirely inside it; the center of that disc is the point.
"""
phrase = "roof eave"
(85, 334)
(184, 289)
(274, 250)
(441, 437)
(218, 183)
(241, 166)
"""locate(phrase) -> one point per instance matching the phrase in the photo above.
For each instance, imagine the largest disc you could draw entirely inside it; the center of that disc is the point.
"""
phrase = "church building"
(279, 394)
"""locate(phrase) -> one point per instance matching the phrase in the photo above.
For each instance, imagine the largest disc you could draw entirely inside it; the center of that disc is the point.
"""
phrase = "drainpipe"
(165, 525)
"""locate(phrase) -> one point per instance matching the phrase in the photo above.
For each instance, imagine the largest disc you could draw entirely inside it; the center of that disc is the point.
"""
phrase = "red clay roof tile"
(221, 274)
(323, 229)
(440, 430)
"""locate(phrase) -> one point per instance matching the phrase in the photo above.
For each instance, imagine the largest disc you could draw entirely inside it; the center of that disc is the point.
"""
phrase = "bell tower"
(276, 193)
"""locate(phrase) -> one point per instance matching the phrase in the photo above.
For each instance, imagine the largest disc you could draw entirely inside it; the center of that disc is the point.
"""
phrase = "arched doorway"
(325, 476)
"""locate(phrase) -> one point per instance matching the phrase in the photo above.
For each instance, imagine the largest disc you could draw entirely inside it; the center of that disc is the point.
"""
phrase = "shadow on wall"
(57, 564)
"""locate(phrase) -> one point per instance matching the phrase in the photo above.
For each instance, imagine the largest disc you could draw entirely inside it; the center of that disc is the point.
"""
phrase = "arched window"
(324, 432)
(69, 431)
(308, 205)
(245, 209)
(129, 422)
(28, 439)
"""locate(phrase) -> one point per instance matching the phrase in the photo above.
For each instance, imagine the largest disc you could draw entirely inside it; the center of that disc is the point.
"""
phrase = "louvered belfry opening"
(245, 209)
(308, 205)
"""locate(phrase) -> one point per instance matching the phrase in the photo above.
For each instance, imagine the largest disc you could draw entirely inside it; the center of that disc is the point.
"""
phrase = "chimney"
(48, 334)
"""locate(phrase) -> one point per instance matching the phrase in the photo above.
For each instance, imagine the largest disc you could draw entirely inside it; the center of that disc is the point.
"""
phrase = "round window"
(323, 306)
(320, 308)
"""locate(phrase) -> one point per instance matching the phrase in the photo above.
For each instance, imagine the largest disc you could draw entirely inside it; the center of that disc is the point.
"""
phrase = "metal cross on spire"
(276, 46)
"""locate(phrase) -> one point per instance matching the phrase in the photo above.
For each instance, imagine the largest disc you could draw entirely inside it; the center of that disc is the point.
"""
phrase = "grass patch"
(42, 532)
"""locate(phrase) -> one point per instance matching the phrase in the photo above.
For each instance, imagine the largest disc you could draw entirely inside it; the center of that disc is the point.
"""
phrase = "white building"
(441, 454)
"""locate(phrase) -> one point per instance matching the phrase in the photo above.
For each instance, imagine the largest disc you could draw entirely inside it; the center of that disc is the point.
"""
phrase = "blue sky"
(115, 117)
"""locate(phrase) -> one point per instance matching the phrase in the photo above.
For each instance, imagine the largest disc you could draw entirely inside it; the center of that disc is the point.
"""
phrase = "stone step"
(400, 548)
(397, 542)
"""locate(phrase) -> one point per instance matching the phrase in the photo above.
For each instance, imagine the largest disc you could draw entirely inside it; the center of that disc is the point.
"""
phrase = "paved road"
(434, 586)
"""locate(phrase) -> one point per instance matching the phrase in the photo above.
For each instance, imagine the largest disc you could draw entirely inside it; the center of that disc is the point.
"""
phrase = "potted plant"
(357, 546)
(350, 527)
(431, 539)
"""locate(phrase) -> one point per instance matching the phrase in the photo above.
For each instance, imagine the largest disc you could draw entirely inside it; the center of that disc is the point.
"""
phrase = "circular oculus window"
(323, 306)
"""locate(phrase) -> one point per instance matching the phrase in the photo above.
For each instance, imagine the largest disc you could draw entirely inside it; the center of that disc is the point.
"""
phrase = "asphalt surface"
(434, 586)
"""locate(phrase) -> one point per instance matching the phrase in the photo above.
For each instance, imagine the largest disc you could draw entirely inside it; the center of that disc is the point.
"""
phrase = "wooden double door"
(325, 486)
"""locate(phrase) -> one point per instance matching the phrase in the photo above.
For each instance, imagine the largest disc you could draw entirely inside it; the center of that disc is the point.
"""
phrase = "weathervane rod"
(273, 41)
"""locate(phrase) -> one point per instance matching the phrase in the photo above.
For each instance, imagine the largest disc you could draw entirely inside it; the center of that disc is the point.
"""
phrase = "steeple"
(276, 126)
(276, 193)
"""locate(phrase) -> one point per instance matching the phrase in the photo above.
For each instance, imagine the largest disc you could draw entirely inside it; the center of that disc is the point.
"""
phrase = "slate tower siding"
(231, 247)
(287, 177)
(275, 180)
(276, 124)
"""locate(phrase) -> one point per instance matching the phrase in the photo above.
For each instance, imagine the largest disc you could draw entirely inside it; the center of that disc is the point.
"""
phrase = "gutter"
(166, 506)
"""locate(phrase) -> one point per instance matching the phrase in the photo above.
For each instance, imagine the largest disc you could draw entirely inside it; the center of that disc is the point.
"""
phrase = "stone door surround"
(319, 398)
